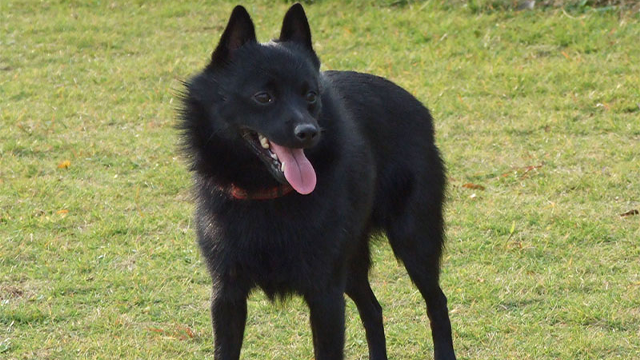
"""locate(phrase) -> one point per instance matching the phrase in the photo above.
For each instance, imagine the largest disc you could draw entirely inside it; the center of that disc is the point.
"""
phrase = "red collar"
(266, 194)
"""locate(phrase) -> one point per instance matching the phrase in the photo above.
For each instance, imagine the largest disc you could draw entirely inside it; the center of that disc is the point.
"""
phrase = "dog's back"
(399, 132)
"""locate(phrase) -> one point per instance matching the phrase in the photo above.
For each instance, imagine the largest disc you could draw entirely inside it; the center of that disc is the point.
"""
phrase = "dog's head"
(266, 95)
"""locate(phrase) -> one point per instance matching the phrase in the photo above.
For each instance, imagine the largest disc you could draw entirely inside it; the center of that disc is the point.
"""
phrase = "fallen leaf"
(630, 213)
(473, 186)
(529, 168)
(64, 165)
(464, 103)
(63, 211)
(187, 330)
(525, 170)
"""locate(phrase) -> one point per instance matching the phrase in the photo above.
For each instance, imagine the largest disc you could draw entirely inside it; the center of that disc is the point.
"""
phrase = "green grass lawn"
(537, 115)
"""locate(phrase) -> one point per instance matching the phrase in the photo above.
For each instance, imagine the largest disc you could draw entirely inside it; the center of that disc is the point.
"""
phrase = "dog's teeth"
(264, 142)
(282, 167)
(273, 156)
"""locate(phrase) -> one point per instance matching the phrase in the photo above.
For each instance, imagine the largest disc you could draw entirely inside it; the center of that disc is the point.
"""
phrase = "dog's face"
(269, 95)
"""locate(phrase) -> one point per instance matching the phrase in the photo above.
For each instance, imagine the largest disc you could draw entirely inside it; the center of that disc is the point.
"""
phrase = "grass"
(537, 115)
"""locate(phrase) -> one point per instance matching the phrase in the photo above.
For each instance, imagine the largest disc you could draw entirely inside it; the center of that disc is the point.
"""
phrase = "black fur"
(378, 171)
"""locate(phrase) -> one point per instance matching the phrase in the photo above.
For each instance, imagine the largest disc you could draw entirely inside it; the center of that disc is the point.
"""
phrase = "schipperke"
(295, 169)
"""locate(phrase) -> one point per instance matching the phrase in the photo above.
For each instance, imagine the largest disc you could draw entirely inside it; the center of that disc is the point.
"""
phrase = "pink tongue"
(297, 169)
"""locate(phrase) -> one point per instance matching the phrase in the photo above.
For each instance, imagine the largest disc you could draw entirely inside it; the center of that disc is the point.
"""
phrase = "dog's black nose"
(306, 133)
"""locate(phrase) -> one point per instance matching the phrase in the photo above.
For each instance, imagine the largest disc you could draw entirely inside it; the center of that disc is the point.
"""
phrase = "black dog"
(294, 170)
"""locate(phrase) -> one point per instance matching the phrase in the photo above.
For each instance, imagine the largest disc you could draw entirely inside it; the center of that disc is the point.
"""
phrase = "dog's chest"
(289, 260)
(282, 251)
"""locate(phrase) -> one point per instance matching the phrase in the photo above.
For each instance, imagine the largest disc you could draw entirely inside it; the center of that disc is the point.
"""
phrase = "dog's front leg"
(228, 315)
(327, 323)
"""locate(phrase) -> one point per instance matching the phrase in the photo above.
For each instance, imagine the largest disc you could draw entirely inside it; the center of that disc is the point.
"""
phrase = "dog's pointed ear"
(238, 32)
(295, 27)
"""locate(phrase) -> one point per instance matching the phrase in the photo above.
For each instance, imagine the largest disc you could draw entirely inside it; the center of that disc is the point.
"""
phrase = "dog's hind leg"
(416, 238)
(359, 290)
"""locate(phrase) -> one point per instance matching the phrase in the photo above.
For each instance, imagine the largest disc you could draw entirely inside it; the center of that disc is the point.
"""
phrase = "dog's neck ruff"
(266, 194)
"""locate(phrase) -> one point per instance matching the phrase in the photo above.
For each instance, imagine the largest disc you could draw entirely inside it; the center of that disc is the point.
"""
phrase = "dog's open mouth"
(287, 165)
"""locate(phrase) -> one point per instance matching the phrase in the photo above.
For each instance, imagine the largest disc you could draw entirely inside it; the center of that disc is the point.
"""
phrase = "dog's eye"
(263, 98)
(311, 97)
